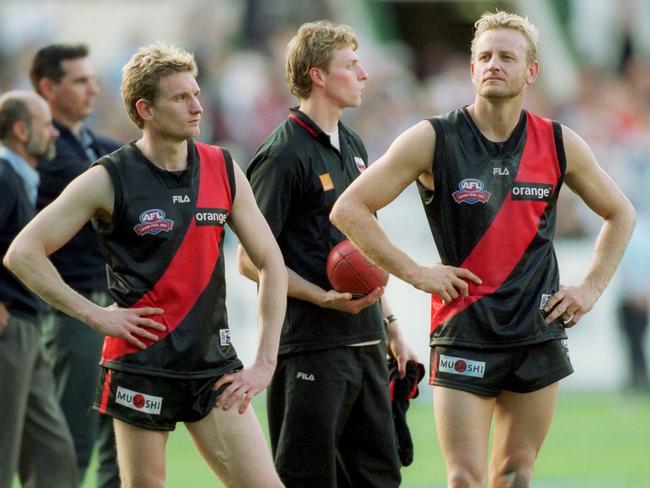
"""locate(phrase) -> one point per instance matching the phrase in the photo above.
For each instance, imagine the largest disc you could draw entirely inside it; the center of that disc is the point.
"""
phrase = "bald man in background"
(34, 438)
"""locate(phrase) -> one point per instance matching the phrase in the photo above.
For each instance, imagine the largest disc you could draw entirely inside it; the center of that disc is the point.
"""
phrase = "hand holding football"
(350, 271)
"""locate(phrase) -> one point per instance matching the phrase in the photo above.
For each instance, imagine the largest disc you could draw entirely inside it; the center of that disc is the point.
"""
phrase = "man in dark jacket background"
(65, 77)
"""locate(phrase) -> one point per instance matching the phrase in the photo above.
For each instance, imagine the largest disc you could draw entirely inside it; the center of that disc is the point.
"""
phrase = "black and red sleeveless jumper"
(164, 248)
(493, 212)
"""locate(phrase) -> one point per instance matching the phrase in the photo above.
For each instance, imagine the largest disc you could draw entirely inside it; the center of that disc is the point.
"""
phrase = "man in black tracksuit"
(328, 403)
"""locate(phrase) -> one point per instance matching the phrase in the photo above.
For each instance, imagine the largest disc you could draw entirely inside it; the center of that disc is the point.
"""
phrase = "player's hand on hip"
(570, 304)
(448, 282)
(4, 317)
(131, 324)
(345, 302)
(242, 386)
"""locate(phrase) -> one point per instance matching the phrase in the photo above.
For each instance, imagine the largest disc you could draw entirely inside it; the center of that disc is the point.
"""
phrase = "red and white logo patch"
(224, 337)
(461, 366)
(361, 164)
(153, 222)
(471, 190)
(139, 401)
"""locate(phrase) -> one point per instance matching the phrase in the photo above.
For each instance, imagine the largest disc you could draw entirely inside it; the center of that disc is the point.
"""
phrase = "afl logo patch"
(471, 190)
(153, 222)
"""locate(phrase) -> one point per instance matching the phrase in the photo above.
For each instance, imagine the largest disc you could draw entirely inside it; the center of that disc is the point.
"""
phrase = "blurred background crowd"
(595, 78)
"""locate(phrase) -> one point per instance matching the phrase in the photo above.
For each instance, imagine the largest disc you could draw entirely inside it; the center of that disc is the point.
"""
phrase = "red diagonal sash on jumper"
(514, 227)
(184, 281)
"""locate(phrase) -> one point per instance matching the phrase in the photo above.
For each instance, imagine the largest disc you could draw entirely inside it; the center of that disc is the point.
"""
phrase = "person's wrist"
(266, 361)
(389, 319)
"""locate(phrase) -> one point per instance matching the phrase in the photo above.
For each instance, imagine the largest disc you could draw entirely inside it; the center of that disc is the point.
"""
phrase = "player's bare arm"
(408, 158)
(264, 254)
(88, 195)
(303, 289)
(596, 188)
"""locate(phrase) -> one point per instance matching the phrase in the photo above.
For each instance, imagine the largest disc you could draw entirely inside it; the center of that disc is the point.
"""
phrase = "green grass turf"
(597, 440)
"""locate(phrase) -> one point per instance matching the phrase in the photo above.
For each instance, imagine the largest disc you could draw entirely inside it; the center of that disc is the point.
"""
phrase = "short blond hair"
(313, 47)
(506, 20)
(142, 74)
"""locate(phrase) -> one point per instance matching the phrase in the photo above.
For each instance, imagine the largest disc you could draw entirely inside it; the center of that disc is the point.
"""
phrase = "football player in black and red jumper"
(160, 205)
(489, 176)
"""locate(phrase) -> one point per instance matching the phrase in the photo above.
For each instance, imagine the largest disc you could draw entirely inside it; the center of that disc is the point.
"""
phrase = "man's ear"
(533, 71)
(46, 89)
(316, 76)
(144, 109)
(20, 131)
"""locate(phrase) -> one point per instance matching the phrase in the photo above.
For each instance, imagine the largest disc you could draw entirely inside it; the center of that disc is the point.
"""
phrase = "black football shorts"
(520, 369)
(153, 402)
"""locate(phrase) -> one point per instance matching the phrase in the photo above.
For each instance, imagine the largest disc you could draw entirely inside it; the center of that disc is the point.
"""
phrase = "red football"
(350, 271)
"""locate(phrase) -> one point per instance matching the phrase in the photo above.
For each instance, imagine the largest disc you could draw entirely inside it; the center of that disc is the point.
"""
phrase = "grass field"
(596, 441)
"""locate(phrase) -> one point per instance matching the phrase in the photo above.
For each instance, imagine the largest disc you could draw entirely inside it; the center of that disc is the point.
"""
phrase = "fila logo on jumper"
(305, 376)
(180, 199)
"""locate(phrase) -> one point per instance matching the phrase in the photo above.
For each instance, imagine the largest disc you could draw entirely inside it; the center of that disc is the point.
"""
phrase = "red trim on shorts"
(414, 390)
(514, 227)
(106, 391)
(433, 367)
